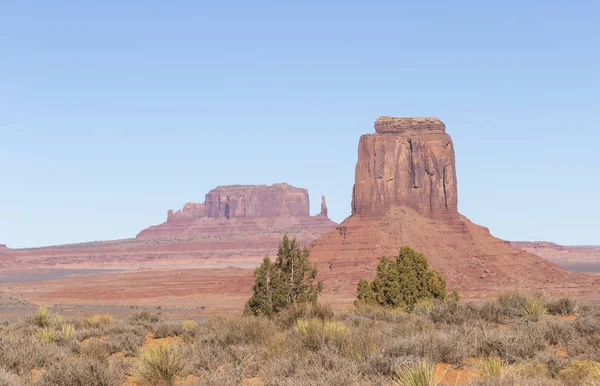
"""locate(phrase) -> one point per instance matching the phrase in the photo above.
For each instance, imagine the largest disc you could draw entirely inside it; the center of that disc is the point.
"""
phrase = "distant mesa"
(239, 208)
(3, 247)
(405, 193)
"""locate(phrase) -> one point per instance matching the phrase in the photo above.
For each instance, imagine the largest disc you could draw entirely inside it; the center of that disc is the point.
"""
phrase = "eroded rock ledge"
(402, 125)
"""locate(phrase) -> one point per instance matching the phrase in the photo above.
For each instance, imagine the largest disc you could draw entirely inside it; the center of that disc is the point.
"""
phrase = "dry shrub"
(83, 371)
(189, 324)
(98, 320)
(315, 333)
(325, 367)
(562, 306)
(307, 310)
(20, 353)
(512, 304)
(246, 330)
(580, 373)
(167, 329)
(8, 379)
(144, 316)
(159, 365)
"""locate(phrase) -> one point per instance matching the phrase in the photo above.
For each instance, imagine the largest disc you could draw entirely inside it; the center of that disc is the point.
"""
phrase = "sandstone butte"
(405, 193)
(236, 226)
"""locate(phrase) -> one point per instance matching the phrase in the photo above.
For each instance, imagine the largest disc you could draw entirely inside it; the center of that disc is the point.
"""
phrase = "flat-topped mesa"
(400, 125)
(246, 201)
(413, 168)
(243, 201)
(250, 210)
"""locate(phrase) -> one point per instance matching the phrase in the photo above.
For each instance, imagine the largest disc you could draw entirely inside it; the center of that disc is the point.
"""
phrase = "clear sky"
(112, 112)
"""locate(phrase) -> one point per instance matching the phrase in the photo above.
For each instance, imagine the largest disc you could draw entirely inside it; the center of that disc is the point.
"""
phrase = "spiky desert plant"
(535, 308)
(316, 332)
(42, 316)
(46, 334)
(68, 330)
(421, 373)
(159, 365)
(493, 367)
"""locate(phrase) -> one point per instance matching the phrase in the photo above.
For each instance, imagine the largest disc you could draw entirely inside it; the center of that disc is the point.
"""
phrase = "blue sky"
(112, 112)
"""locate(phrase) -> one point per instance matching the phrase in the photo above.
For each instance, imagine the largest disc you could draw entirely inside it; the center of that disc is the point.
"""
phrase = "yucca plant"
(159, 365)
(494, 368)
(46, 334)
(42, 317)
(316, 332)
(421, 373)
(535, 308)
(68, 330)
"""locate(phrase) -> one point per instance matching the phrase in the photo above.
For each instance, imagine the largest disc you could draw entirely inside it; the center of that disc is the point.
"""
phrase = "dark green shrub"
(402, 282)
(289, 280)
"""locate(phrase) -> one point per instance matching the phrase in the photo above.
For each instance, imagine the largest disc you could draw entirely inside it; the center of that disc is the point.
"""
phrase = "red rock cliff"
(247, 201)
(243, 209)
(407, 162)
(405, 193)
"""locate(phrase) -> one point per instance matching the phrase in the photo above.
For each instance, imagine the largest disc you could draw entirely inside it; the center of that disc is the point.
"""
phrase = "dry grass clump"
(98, 320)
(581, 373)
(535, 308)
(315, 333)
(189, 324)
(494, 367)
(421, 373)
(46, 334)
(159, 365)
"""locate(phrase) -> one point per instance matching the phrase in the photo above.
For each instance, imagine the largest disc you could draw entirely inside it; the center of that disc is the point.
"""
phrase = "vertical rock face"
(250, 210)
(324, 207)
(405, 194)
(248, 201)
(407, 162)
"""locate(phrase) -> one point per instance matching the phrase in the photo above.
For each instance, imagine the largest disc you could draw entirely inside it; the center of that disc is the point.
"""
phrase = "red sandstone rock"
(243, 210)
(406, 194)
(572, 256)
(408, 162)
(324, 206)
(209, 234)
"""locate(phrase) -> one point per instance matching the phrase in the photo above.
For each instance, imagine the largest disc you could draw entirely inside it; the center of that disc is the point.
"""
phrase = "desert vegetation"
(401, 330)
(505, 341)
